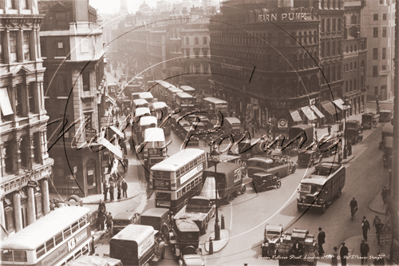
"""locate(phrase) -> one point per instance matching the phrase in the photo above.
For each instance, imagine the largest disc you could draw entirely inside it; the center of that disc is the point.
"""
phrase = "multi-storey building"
(264, 60)
(331, 55)
(354, 63)
(378, 26)
(73, 54)
(25, 166)
(195, 39)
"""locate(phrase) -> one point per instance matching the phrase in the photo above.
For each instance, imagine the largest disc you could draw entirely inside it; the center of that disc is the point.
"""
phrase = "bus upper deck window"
(50, 245)
(67, 233)
(20, 256)
(40, 251)
(6, 255)
(58, 239)
(75, 227)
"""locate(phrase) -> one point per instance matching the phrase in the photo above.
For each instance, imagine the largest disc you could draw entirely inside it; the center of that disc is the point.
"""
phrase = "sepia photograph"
(199, 132)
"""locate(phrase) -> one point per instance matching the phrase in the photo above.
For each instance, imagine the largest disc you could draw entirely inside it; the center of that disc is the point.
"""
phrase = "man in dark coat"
(378, 227)
(124, 188)
(343, 253)
(364, 252)
(321, 237)
(105, 190)
(101, 220)
(365, 227)
(111, 191)
(101, 207)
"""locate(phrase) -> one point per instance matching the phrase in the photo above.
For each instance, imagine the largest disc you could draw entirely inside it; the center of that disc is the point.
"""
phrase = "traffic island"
(218, 245)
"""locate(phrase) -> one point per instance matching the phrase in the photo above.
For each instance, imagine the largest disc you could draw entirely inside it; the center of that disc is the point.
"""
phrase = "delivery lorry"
(228, 180)
(134, 245)
(158, 218)
(199, 210)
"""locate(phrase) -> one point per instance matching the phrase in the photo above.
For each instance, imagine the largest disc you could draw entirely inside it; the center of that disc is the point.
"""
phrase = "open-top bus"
(185, 102)
(155, 140)
(161, 111)
(178, 178)
(59, 237)
(215, 105)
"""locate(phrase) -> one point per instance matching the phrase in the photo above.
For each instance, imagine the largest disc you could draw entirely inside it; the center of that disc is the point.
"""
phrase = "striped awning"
(309, 113)
(317, 111)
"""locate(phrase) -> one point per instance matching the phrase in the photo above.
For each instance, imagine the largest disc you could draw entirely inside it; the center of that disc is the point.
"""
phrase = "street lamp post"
(215, 158)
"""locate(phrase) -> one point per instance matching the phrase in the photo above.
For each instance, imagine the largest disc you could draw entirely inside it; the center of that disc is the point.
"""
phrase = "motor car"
(278, 165)
(353, 131)
(369, 120)
(263, 181)
(309, 158)
(385, 116)
(272, 238)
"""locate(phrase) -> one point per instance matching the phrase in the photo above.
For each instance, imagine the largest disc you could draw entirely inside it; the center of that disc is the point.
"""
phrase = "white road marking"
(231, 216)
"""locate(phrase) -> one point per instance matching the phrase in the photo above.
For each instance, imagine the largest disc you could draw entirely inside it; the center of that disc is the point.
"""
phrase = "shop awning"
(116, 150)
(295, 115)
(110, 99)
(339, 103)
(317, 111)
(117, 131)
(5, 102)
(309, 113)
(330, 108)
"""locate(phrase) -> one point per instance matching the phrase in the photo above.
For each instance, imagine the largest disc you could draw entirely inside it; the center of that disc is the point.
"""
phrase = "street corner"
(218, 245)
(377, 205)
(95, 199)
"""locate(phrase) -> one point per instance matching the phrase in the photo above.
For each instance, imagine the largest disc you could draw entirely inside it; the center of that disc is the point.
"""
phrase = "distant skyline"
(110, 7)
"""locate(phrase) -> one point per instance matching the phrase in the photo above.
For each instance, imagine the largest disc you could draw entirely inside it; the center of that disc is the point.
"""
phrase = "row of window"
(332, 72)
(14, 55)
(191, 165)
(384, 17)
(351, 66)
(196, 40)
(331, 4)
(351, 85)
(331, 25)
(60, 237)
(383, 53)
(12, 4)
(189, 186)
(197, 52)
(330, 48)
(375, 32)
(197, 69)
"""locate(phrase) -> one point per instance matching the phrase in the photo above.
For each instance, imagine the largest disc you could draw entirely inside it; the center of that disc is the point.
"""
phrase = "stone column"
(2, 214)
(19, 154)
(31, 206)
(45, 196)
(33, 47)
(6, 47)
(17, 211)
(20, 41)
(32, 151)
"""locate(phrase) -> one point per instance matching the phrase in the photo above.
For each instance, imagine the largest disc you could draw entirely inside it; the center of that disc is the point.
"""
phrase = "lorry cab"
(232, 125)
(306, 132)
(369, 120)
(272, 238)
(158, 218)
(353, 131)
(184, 239)
(122, 219)
(319, 188)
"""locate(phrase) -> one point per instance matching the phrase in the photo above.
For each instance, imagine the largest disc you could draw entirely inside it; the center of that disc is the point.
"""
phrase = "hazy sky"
(112, 6)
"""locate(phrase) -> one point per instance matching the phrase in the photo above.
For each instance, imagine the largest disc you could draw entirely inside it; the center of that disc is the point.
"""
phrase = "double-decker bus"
(159, 90)
(178, 178)
(171, 96)
(185, 102)
(215, 105)
(144, 123)
(188, 89)
(140, 103)
(147, 96)
(155, 140)
(56, 239)
(161, 111)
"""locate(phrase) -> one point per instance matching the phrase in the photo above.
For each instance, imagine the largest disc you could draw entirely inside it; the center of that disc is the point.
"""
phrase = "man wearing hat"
(364, 251)
(343, 253)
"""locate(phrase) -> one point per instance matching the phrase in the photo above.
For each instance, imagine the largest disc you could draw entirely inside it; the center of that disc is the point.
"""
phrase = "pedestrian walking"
(101, 207)
(364, 252)
(329, 129)
(378, 227)
(101, 220)
(365, 227)
(109, 222)
(93, 248)
(119, 190)
(124, 188)
(105, 190)
(111, 191)
(334, 258)
(343, 253)
(321, 237)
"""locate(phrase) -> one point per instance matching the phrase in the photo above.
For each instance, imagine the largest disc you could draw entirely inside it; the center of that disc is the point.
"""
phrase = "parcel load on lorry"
(198, 209)
(134, 245)
(297, 248)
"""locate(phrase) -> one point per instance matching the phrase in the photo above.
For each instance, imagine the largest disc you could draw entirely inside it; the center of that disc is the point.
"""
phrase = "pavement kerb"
(95, 202)
(218, 245)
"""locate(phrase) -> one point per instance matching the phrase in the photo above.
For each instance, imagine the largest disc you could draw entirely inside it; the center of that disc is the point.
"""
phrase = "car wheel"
(323, 208)
(278, 184)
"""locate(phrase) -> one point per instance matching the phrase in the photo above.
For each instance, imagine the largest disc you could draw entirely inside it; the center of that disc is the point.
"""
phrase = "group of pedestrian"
(104, 218)
(120, 185)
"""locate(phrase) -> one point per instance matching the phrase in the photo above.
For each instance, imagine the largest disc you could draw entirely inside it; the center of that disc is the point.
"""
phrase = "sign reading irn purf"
(283, 16)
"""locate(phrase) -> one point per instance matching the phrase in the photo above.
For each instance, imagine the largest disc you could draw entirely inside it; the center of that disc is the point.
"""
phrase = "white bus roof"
(174, 89)
(214, 100)
(164, 83)
(154, 134)
(146, 95)
(233, 120)
(315, 180)
(159, 105)
(184, 95)
(135, 232)
(34, 235)
(177, 160)
(140, 101)
(147, 120)
(142, 111)
(187, 88)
